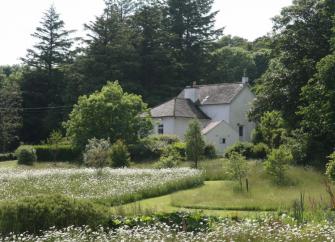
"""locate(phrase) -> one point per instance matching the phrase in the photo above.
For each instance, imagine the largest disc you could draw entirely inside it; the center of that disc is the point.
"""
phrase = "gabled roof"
(223, 93)
(178, 107)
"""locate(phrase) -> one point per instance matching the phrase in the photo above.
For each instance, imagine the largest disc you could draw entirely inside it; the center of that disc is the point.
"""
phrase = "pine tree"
(192, 23)
(43, 79)
(54, 45)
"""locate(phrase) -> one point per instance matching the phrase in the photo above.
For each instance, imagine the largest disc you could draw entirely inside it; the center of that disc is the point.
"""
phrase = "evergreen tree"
(10, 111)
(54, 45)
(192, 24)
(43, 79)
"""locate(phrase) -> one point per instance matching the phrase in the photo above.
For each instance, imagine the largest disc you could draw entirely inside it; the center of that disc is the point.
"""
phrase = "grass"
(223, 196)
(37, 165)
(107, 186)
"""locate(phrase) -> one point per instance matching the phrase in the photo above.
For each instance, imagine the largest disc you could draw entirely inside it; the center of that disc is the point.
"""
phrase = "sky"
(19, 18)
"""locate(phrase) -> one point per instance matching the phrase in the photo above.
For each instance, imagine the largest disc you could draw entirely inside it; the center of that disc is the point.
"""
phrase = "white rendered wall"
(222, 131)
(175, 126)
(217, 112)
(239, 113)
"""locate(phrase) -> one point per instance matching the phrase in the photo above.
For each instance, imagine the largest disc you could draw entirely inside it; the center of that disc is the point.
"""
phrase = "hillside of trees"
(156, 48)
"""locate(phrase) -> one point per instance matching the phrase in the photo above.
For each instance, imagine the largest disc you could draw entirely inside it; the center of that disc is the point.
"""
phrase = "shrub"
(151, 147)
(7, 157)
(330, 172)
(26, 155)
(260, 151)
(238, 167)
(271, 130)
(170, 158)
(34, 214)
(119, 154)
(243, 148)
(64, 153)
(210, 151)
(97, 153)
(180, 147)
(277, 163)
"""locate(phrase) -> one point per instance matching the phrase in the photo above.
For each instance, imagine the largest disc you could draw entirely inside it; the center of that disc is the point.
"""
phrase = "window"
(223, 141)
(241, 130)
(161, 129)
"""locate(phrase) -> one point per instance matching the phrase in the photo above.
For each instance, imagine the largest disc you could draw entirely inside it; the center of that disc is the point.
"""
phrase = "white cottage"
(221, 109)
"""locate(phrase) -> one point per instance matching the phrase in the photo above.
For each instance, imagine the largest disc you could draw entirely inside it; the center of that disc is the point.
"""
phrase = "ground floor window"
(161, 129)
(223, 140)
(241, 131)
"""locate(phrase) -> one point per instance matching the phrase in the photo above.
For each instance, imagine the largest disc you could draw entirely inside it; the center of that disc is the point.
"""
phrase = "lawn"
(221, 196)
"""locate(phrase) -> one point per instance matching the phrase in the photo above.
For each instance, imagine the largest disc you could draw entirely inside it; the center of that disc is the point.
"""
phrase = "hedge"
(7, 157)
(45, 153)
(34, 214)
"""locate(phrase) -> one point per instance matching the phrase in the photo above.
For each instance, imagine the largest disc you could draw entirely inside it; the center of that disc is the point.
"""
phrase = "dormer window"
(161, 129)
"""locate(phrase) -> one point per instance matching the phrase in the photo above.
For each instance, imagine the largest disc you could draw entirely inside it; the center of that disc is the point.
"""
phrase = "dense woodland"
(156, 48)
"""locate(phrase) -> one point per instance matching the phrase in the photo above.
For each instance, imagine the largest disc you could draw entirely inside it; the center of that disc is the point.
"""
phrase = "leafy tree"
(195, 144)
(110, 113)
(302, 38)
(330, 171)
(10, 111)
(238, 167)
(277, 163)
(119, 154)
(271, 130)
(230, 64)
(318, 111)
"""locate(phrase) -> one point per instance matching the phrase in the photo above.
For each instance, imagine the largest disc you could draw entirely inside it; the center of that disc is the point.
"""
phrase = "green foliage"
(230, 64)
(43, 83)
(242, 148)
(330, 168)
(152, 147)
(277, 164)
(195, 144)
(54, 45)
(26, 155)
(38, 213)
(54, 141)
(180, 147)
(171, 157)
(119, 154)
(318, 111)
(210, 151)
(271, 130)
(260, 151)
(97, 153)
(10, 111)
(238, 167)
(110, 113)
(7, 157)
(302, 37)
(46, 153)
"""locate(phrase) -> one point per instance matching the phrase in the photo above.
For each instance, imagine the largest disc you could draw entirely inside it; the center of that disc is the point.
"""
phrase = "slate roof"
(178, 107)
(217, 93)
